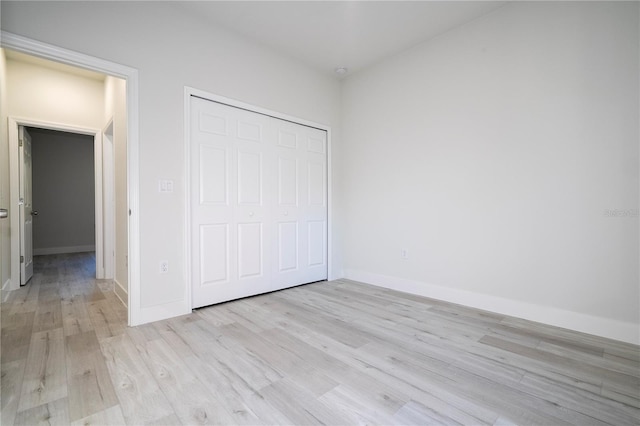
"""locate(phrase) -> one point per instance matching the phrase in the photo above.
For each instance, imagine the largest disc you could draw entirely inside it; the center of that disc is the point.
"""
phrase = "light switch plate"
(165, 185)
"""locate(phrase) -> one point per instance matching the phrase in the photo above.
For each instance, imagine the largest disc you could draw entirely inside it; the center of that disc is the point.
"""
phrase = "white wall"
(171, 51)
(5, 238)
(492, 154)
(54, 96)
(116, 110)
(63, 192)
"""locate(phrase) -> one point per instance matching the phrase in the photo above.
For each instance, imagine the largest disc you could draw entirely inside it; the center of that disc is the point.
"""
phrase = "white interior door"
(26, 206)
(258, 203)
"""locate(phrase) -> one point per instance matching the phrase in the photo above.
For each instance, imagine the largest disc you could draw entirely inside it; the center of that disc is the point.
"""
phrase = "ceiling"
(324, 34)
(331, 34)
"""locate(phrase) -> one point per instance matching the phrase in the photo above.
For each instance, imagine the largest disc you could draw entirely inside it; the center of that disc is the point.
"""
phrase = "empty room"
(320, 212)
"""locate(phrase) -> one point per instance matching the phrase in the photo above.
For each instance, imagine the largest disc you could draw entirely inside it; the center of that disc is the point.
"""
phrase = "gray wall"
(63, 192)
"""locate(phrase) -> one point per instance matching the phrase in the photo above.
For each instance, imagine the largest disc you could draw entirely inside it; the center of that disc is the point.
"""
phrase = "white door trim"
(14, 192)
(58, 54)
(190, 91)
(108, 209)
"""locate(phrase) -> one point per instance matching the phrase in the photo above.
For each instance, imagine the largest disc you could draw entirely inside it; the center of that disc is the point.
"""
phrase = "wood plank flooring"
(336, 353)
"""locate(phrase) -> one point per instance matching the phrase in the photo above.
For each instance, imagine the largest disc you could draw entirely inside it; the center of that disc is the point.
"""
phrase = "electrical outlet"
(404, 254)
(164, 267)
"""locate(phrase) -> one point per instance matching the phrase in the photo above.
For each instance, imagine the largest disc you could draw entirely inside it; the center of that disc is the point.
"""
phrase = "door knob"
(4, 213)
(34, 212)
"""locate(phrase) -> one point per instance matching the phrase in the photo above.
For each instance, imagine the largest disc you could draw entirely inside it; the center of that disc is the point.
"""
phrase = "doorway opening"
(129, 196)
(75, 170)
(63, 188)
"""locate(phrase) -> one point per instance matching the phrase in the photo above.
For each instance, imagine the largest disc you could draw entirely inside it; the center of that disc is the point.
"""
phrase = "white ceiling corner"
(330, 34)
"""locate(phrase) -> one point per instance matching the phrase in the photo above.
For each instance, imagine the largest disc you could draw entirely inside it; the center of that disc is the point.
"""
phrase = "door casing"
(14, 180)
(108, 203)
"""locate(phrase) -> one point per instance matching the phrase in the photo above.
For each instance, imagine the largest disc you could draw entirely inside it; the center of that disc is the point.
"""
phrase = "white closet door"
(300, 207)
(256, 201)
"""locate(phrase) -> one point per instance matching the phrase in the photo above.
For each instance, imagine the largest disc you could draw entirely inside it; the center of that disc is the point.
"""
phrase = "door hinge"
(19, 142)
(21, 259)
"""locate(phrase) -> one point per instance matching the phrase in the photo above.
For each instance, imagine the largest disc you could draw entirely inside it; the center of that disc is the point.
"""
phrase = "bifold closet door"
(299, 208)
(258, 203)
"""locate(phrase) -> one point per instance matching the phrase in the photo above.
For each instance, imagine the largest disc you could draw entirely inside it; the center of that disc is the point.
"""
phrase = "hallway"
(50, 332)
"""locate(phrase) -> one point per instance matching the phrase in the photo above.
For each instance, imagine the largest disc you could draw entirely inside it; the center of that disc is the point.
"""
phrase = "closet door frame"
(188, 93)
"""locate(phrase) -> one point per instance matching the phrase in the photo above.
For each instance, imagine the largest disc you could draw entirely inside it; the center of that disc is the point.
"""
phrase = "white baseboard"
(121, 292)
(148, 314)
(61, 250)
(604, 327)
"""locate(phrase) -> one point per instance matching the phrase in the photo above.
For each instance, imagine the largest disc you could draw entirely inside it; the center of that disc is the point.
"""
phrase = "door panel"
(258, 216)
(214, 254)
(287, 139)
(213, 178)
(287, 182)
(288, 246)
(317, 145)
(250, 250)
(316, 246)
(26, 207)
(316, 183)
(211, 123)
(250, 131)
(249, 178)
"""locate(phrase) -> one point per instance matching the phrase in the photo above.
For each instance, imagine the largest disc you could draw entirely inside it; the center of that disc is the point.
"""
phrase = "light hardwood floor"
(327, 353)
